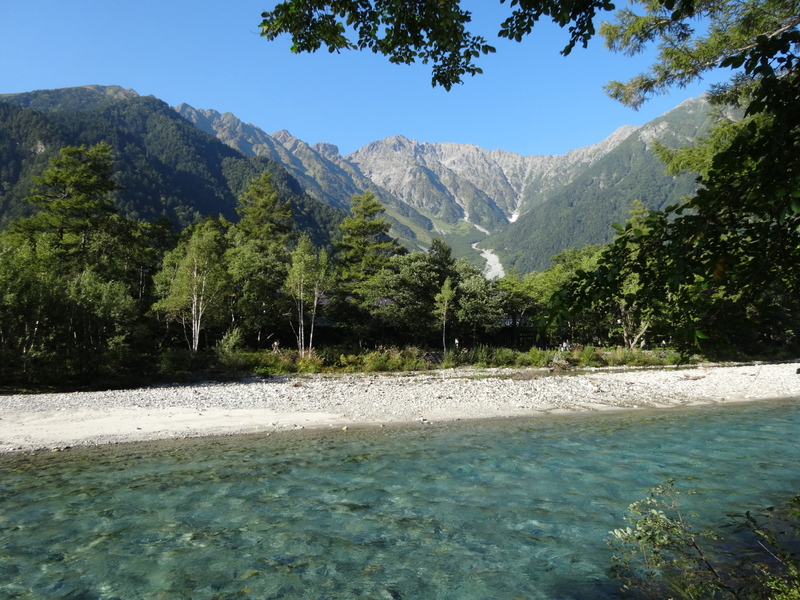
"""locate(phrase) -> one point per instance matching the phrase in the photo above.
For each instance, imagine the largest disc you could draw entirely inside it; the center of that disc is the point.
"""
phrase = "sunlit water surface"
(500, 509)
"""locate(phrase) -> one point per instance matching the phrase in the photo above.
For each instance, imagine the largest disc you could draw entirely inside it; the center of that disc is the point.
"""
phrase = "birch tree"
(308, 279)
(444, 306)
(479, 306)
(193, 281)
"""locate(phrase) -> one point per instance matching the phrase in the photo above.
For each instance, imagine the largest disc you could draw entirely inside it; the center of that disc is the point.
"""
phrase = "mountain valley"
(184, 163)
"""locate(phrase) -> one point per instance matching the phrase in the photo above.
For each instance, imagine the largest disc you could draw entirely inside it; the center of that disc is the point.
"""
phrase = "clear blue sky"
(530, 99)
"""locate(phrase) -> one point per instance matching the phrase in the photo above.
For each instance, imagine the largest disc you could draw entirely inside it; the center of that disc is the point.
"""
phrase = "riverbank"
(50, 421)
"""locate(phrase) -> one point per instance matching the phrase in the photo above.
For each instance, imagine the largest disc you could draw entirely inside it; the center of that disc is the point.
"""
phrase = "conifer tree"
(258, 257)
(365, 246)
(74, 201)
(263, 217)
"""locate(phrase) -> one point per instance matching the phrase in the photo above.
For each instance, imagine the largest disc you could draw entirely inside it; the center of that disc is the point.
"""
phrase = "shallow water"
(499, 509)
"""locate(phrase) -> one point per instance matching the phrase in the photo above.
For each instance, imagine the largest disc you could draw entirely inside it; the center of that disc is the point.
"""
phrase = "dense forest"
(92, 294)
(133, 244)
(164, 167)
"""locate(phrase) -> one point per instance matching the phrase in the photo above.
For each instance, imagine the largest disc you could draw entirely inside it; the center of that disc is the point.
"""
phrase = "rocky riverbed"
(42, 421)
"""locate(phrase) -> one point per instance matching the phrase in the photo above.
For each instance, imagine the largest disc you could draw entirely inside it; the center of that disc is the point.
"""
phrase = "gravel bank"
(30, 422)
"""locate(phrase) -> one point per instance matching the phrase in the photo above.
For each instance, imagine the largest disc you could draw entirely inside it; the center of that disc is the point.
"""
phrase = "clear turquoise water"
(503, 509)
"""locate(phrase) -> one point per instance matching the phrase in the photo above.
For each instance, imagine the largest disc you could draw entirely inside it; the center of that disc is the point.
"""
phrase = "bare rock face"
(449, 182)
(432, 189)
(489, 188)
(320, 169)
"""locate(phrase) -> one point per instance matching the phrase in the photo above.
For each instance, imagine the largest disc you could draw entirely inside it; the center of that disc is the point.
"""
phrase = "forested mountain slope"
(529, 208)
(320, 169)
(535, 206)
(579, 213)
(184, 163)
(165, 166)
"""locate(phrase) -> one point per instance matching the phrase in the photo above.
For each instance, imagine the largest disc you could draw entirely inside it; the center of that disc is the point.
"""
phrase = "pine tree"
(365, 246)
(74, 198)
(258, 257)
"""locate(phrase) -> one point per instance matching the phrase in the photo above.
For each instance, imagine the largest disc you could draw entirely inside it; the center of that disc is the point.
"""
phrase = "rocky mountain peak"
(283, 136)
(488, 188)
(330, 151)
(202, 119)
(432, 187)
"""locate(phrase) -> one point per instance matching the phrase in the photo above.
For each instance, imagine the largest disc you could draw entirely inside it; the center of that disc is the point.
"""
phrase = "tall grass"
(232, 359)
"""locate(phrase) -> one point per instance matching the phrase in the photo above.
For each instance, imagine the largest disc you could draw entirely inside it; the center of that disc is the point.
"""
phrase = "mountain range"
(184, 162)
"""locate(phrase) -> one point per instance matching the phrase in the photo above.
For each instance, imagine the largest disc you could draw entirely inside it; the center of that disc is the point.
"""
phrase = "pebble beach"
(30, 422)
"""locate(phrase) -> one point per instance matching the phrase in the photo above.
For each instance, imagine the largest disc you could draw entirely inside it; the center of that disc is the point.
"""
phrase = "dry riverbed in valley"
(46, 421)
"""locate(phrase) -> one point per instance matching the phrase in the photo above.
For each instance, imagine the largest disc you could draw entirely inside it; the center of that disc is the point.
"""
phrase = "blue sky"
(530, 99)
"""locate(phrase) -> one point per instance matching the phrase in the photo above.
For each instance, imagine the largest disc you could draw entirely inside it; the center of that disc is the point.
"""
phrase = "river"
(516, 508)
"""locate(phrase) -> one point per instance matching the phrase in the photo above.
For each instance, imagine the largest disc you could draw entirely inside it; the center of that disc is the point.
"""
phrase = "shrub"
(591, 357)
(661, 553)
(309, 362)
(182, 361)
(504, 357)
(452, 359)
(619, 357)
(276, 362)
(540, 358)
(413, 359)
(377, 360)
(394, 359)
(229, 353)
(480, 356)
(349, 363)
(644, 359)
(522, 359)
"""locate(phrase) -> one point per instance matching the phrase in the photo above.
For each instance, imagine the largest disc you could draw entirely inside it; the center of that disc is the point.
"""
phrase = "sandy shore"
(49, 421)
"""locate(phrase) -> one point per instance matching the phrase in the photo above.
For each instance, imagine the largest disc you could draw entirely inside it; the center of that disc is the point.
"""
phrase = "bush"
(377, 360)
(668, 357)
(661, 554)
(522, 359)
(309, 362)
(619, 357)
(480, 356)
(350, 363)
(645, 359)
(541, 358)
(452, 359)
(413, 359)
(591, 357)
(276, 362)
(504, 357)
(229, 352)
(174, 361)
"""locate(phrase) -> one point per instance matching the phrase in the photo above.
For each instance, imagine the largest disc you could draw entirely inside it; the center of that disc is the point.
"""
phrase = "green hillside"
(580, 213)
(165, 165)
(188, 164)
